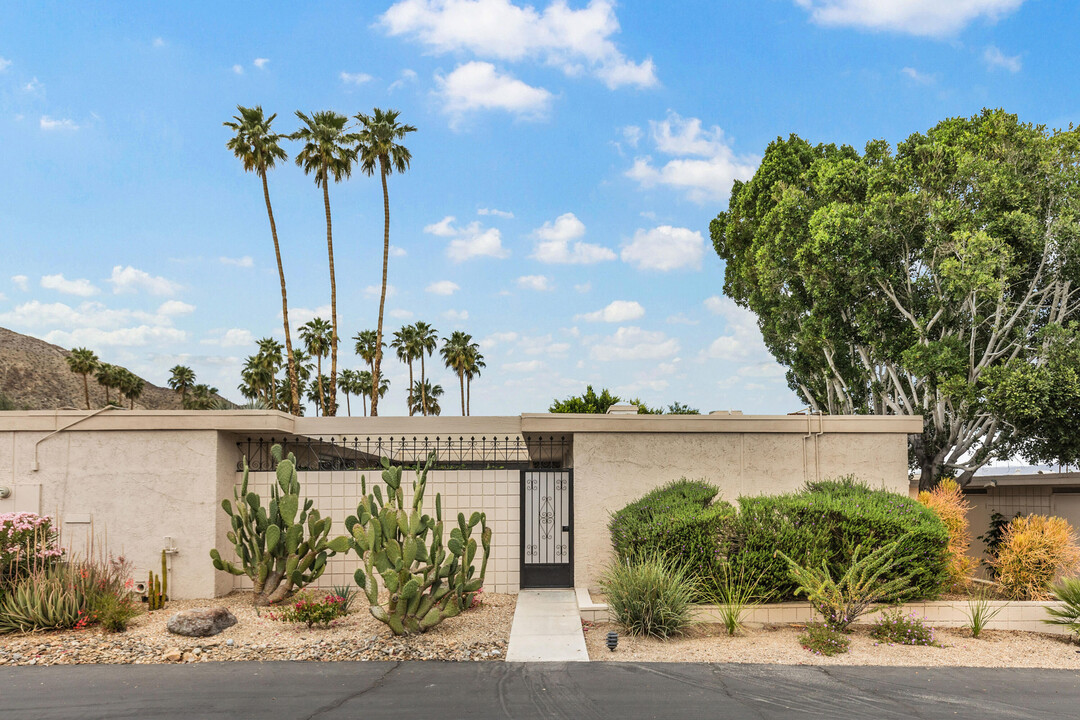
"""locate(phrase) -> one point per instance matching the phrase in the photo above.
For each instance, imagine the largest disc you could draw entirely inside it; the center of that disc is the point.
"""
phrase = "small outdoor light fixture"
(5, 492)
(612, 640)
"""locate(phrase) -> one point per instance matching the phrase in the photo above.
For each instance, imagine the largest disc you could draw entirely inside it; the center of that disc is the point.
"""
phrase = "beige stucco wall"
(1033, 499)
(493, 492)
(128, 490)
(612, 468)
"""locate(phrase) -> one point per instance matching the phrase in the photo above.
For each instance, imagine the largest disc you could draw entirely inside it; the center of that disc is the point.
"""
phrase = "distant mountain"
(34, 375)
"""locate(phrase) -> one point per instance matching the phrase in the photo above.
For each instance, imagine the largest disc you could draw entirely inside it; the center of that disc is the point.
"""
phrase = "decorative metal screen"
(546, 498)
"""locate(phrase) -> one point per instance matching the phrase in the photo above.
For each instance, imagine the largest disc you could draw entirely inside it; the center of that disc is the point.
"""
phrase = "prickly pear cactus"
(282, 547)
(426, 581)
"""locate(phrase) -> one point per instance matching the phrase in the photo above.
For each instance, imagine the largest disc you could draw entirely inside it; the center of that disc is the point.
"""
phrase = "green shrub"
(650, 595)
(1067, 592)
(823, 524)
(879, 576)
(311, 610)
(899, 629)
(823, 640)
(679, 520)
(980, 612)
(734, 595)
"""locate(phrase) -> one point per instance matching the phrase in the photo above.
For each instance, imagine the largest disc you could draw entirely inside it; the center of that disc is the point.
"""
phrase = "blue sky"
(568, 160)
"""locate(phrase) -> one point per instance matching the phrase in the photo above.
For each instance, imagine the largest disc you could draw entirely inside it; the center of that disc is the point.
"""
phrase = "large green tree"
(316, 334)
(457, 352)
(83, 361)
(407, 348)
(182, 380)
(427, 342)
(327, 153)
(587, 402)
(259, 149)
(380, 148)
(894, 282)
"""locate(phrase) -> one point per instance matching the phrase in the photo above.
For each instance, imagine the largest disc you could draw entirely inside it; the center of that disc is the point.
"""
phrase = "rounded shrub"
(650, 594)
(1035, 550)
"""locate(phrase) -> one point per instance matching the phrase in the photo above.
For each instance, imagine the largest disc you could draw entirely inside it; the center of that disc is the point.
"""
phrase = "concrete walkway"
(547, 628)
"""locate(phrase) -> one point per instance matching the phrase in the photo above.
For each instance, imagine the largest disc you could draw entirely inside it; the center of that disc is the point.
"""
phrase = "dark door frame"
(548, 575)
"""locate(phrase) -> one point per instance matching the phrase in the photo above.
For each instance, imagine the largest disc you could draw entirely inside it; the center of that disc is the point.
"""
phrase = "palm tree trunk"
(468, 396)
(332, 409)
(86, 389)
(348, 405)
(461, 379)
(365, 404)
(382, 297)
(318, 379)
(294, 402)
(423, 385)
(409, 398)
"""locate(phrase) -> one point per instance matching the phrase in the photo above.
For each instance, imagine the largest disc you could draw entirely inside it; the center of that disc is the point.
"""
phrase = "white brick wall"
(493, 492)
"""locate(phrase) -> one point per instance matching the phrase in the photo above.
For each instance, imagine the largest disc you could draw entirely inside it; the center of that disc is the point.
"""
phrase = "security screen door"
(547, 521)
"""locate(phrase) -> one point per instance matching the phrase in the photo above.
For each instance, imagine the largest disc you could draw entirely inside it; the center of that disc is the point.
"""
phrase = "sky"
(568, 159)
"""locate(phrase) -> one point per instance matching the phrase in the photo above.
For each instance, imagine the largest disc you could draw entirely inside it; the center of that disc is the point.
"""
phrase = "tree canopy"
(913, 281)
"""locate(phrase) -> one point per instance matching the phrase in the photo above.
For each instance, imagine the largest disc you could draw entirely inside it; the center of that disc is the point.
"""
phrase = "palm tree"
(131, 385)
(202, 397)
(426, 390)
(303, 372)
(472, 369)
(405, 344)
(317, 336)
(182, 381)
(269, 360)
(378, 146)
(427, 340)
(363, 387)
(108, 377)
(456, 352)
(83, 362)
(347, 384)
(257, 148)
(322, 385)
(327, 153)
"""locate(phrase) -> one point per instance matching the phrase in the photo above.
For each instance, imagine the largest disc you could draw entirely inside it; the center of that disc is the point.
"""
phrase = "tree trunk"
(423, 385)
(348, 405)
(382, 297)
(461, 379)
(468, 396)
(294, 401)
(365, 404)
(318, 379)
(409, 396)
(332, 409)
(86, 389)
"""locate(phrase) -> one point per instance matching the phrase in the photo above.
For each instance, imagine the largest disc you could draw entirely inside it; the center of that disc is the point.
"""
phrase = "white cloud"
(540, 345)
(354, 78)
(443, 287)
(244, 262)
(680, 319)
(159, 42)
(238, 69)
(535, 282)
(171, 308)
(92, 323)
(524, 366)
(915, 17)
(497, 213)
(21, 282)
(407, 76)
(742, 342)
(300, 315)
(34, 86)
(665, 248)
(129, 280)
(396, 251)
(632, 134)
(456, 315)
(374, 291)
(399, 314)
(994, 59)
(575, 41)
(633, 343)
(49, 123)
(499, 338)
(703, 166)
(233, 337)
(479, 86)
(80, 287)
(124, 337)
(260, 62)
(4, 64)
(554, 243)
(583, 287)
(470, 241)
(917, 77)
(617, 312)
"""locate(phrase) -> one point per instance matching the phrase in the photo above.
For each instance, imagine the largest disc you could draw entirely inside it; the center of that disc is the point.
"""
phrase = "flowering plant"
(26, 540)
(311, 611)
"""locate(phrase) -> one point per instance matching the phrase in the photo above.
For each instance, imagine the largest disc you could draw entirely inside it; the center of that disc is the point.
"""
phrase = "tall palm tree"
(257, 148)
(83, 362)
(347, 384)
(456, 352)
(202, 397)
(328, 153)
(108, 377)
(472, 369)
(405, 344)
(131, 385)
(304, 367)
(364, 390)
(431, 392)
(182, 381)
(379, 147)
(269, 360)
(427, 340)
(316, 334)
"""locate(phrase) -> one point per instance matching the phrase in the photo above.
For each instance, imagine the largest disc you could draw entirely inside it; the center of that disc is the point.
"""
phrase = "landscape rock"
(172, 655)
(201, 622)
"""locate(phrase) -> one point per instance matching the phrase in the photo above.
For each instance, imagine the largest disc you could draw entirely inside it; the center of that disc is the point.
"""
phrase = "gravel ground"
(779, 644)
(478, 634)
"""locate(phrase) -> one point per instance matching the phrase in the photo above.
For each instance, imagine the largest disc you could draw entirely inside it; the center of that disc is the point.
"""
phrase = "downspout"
(34, 466)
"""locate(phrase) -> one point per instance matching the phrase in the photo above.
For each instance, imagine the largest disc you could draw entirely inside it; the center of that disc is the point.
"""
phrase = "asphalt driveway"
(283, 690)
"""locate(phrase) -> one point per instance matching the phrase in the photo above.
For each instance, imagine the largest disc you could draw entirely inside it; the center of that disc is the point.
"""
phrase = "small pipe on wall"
(34, 466)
